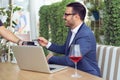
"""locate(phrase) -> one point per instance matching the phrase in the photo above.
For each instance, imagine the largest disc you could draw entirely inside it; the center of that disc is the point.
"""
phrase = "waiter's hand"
(20, 42)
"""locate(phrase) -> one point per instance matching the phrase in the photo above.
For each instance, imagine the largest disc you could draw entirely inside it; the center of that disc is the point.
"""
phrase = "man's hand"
(49, 56)
(42, 41)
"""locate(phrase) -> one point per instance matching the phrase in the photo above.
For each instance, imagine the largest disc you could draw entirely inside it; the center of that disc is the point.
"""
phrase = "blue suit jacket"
(85, 38)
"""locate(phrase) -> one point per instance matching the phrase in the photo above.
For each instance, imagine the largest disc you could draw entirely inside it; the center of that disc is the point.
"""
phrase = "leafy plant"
(3, 49)
(7, 12)
(94, 7)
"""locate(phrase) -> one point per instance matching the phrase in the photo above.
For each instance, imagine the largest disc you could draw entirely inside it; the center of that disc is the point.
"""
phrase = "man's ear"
(77, 16)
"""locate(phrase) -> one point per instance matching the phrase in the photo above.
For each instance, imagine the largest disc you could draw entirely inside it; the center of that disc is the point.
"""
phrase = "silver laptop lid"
(33, 58)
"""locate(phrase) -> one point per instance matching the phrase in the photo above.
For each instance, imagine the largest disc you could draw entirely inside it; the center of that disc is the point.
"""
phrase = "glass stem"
(75, 68)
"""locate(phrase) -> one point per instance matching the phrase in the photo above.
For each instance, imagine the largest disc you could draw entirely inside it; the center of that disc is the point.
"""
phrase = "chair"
(109, 61)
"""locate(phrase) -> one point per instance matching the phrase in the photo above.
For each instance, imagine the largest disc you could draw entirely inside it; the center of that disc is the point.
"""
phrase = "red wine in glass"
(75, 56)
(75, 59)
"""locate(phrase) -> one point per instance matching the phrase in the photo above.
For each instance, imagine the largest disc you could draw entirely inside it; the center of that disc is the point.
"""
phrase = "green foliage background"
(52, 23)
(112, 22)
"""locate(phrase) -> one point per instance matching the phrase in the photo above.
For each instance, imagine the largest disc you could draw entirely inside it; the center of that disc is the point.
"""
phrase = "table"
(11, 71)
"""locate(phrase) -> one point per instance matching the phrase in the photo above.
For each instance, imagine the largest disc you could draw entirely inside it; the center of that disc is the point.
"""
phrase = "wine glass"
(75, 55)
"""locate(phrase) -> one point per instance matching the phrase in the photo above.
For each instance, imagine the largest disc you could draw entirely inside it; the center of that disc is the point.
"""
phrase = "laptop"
(33, 58)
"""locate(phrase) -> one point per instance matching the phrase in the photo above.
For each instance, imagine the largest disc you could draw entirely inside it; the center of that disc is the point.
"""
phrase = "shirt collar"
(75, 30)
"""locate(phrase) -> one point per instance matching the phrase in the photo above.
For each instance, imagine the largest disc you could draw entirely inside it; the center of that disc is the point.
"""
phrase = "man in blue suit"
(78, 33)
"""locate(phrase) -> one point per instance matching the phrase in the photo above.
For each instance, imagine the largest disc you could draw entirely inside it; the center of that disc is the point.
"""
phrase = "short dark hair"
(78, 8)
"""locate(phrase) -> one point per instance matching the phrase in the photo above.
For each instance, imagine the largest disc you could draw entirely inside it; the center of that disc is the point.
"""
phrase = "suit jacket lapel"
(67, 42)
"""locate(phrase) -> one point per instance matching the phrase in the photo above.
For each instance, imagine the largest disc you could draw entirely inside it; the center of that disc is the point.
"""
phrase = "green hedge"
(51, 22)
(112, 22)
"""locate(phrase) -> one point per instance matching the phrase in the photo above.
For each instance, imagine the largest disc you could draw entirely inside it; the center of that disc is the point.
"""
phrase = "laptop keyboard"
(52, 68)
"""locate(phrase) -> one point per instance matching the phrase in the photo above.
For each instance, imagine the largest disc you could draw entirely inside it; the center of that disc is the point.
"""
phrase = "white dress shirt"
(74, 31)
